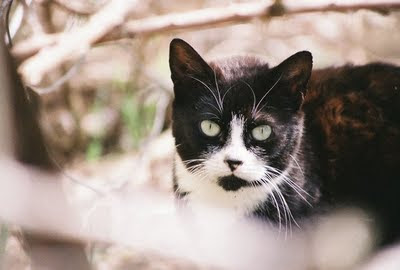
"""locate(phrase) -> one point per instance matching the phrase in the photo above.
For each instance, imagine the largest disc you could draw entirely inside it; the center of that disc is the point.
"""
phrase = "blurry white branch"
(17, 19)
(78, 7)
(51, 51)
(34, 44)
(148, 221)
(239, 13)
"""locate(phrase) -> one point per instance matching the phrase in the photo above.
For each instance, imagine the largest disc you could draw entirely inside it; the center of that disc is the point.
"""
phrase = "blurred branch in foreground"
(51, 51)
(149, 222)
(21, 138)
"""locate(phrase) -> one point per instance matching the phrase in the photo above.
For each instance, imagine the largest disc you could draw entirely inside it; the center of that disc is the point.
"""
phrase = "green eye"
(210, 128)
(261, 133)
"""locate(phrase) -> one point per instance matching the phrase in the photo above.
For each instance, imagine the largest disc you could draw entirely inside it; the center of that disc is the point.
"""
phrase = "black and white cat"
(282, 143)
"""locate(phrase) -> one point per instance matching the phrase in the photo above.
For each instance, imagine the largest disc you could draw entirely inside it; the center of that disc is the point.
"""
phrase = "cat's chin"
(232, 183)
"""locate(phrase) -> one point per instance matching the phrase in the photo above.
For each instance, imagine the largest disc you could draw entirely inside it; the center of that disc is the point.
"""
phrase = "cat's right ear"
(185, 62)
(296, 70)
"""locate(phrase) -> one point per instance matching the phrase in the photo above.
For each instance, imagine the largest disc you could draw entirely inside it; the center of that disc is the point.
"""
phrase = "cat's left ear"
(296, 71)
(184, 62)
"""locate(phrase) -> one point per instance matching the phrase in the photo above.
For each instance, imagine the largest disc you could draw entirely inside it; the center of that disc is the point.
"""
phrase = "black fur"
(350, 147)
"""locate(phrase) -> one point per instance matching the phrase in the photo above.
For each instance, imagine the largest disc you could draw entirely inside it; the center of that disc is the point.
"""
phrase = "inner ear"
(185, 62)
(296, 71)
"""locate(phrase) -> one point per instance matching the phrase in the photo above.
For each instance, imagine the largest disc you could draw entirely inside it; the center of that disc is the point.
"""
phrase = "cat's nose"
(233, 163)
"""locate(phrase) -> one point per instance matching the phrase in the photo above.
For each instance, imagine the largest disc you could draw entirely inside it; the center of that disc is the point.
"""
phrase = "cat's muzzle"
(232, 183)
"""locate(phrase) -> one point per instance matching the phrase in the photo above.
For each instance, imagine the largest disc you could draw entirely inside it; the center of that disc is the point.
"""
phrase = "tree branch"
(238, 13)
(33, 45)
(105, 27)
(72, 45)
(148, 221)
(28, 146)
(77, 6)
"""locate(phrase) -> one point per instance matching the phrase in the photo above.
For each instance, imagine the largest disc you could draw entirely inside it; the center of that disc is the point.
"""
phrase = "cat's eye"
(261, 133)
(210, 128)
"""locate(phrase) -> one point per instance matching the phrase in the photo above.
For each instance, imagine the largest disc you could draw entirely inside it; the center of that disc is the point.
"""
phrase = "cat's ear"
(296, 71)
(185, 62)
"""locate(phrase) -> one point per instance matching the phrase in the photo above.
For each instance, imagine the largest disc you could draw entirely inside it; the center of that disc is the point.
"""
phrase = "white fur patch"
(203, 188)
(252, 168)
(204, 191)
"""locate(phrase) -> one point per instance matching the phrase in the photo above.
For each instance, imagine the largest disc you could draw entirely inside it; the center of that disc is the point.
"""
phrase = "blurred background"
(105, 107)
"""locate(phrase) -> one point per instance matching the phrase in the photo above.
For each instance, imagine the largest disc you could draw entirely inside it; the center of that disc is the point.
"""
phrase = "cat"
(286, 142)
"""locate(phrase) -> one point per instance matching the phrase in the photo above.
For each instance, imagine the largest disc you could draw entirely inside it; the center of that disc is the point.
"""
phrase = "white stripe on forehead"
(235, 148)
(236, 134)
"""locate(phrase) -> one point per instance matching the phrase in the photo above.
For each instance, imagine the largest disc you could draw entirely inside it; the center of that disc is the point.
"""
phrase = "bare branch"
(73, 44)
(41, 11)
(149, 222)
(341, 6)
(16, 20)
(31, 46)
(234, 13)
(108, 24)
(237, 13)
(77, 6)
(29, 148)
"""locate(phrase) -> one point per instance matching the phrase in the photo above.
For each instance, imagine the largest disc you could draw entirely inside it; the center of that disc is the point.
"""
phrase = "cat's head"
(237, 122)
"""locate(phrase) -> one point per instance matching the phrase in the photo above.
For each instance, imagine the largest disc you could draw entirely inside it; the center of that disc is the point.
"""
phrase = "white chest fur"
(205, 192)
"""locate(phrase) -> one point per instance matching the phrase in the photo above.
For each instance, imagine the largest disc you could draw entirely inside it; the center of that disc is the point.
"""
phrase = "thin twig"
(78, 7)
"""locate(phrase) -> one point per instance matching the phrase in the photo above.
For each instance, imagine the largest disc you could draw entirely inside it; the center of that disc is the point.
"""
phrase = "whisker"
(298, 165)
(289, 212)
(193, 160)
(286, 209)
(212, 105)
(280, 173)
(209, 89)
(275, 203)
(299, 190)
(212, 114)
(219, 93)
(226, 92)
(254, 96)
(256, 110)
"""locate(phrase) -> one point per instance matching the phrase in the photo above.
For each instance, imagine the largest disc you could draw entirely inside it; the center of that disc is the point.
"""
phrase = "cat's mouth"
(232, 183)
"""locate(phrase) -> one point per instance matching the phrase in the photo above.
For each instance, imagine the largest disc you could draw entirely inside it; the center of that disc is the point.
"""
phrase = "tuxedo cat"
(281, 143)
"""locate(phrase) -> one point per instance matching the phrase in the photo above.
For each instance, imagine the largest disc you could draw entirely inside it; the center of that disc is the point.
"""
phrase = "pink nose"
(233, 163)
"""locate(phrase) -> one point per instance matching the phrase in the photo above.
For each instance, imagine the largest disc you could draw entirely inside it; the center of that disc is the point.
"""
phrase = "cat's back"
(353, 120)
(355, 111)
(354, 105)
(378, 81)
